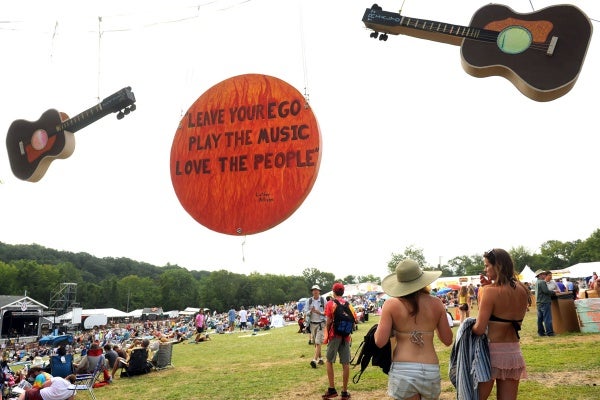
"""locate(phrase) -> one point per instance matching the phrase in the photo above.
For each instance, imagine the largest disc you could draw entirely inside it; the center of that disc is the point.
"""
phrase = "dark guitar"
(32, 146)
(541, 53)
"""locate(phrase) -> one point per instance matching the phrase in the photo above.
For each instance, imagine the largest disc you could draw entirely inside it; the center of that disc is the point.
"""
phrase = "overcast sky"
(415, 151)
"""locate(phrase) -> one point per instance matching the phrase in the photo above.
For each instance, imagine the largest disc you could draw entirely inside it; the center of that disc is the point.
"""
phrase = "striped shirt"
(469, 361)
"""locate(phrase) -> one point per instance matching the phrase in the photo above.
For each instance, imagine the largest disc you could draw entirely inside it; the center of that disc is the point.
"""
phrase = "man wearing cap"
(315, 309)
(337, 345)
(543, 299)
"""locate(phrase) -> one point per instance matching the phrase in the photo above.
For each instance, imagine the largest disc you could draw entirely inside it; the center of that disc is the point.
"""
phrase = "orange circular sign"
(246, 154)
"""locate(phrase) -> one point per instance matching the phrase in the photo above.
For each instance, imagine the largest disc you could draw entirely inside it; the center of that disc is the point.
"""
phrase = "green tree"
(466, 265)
(521, 257)
(178, 289)
(409, 252)
(9, 274)
(368, 278)
(587, 250)
(313, 276)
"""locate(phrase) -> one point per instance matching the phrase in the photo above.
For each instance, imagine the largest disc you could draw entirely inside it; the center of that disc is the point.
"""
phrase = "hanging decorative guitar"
(32, 146)
(541, 53)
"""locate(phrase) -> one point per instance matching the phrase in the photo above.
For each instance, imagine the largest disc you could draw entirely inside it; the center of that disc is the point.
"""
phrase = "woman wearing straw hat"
(502, 306)
(412, 315)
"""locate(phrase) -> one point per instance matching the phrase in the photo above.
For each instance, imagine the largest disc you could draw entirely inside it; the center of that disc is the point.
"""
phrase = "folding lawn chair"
(61, 365)
(138, 363)
(85, 382)
(163, 356)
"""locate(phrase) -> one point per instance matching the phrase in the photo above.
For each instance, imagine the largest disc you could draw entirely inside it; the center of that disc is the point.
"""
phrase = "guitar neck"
(84, 119)
(395, 24)
(121, 102)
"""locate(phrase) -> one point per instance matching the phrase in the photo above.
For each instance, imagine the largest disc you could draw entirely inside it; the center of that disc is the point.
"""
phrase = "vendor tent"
(582, 270)
(527, 275)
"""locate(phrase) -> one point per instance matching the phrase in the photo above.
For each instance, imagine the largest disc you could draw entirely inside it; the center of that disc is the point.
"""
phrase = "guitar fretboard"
(83, 119)
(378, 20)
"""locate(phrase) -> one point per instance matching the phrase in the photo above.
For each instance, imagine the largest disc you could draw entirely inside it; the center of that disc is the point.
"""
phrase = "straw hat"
(539, 272)
(409, 278)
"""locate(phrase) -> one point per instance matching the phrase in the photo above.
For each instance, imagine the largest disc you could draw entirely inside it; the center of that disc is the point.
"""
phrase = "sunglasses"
(490, 255)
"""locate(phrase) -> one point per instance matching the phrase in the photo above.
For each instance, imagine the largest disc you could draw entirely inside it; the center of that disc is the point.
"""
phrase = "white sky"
(415, 151)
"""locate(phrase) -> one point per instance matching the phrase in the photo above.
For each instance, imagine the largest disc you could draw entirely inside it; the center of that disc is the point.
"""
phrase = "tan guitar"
(541, 53)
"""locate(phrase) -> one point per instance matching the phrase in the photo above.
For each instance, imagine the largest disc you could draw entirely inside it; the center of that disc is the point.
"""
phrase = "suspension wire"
(401, 6)
(531, 4)
(52, 41)
(243, 243)
(303, 50)
(99, 54)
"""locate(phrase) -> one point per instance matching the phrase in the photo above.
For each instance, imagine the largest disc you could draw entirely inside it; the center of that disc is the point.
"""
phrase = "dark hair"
(503, 265)
(413, 300)
(71, 378)
(107, 347)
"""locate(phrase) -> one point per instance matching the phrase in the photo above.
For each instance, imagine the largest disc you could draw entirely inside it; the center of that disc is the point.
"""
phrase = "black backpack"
(343, 319)
(369, 352)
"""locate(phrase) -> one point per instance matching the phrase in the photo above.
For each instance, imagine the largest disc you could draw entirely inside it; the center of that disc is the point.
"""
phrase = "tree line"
(552, 255)
(127, 285)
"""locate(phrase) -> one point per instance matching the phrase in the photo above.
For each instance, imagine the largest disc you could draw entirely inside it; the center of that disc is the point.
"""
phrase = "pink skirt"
(507, 361)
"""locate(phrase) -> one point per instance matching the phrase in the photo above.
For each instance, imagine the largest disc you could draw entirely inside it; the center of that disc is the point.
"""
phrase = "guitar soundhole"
(39, 139)
(514, 39)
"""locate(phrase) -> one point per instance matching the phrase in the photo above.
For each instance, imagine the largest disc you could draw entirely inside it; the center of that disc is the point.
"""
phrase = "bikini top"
(416, 337)
(516, 323)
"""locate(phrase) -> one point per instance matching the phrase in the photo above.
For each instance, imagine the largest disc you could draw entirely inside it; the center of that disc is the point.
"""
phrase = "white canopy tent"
(108, 312)
(527, 275)
(582, 270)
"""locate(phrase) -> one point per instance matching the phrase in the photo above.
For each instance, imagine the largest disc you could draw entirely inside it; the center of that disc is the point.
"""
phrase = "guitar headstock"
(121, 102)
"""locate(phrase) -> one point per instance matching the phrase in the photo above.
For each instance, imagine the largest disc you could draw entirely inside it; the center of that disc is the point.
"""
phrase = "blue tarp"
(56, 340)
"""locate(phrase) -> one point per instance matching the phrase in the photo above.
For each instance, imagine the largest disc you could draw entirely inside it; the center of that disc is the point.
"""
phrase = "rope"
(303, 49)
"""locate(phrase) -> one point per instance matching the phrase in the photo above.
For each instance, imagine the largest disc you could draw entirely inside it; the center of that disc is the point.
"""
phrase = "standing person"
(502, 307)
(463, 303)
(315, 309)
(412, 315)
(243, 318)
(231, 315)
(543, 301)
(550, 283)
(200, 323)
(337, 344)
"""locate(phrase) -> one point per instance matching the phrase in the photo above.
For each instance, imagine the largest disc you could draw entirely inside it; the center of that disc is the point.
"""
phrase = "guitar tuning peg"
(120, 115)
(132, 107)
(126, 111)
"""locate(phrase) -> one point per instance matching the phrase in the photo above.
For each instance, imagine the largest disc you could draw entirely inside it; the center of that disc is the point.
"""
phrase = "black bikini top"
(515, 323)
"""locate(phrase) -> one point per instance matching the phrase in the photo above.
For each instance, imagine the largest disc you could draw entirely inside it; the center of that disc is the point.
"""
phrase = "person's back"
(414, 335)
(413, 316)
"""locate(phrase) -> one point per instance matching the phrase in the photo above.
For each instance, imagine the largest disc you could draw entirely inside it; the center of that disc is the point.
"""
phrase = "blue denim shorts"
(407, 379)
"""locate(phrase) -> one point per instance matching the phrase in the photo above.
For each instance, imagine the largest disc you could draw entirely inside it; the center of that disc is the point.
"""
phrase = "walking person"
(412, 315)
(463, 303)
(315, 309)
(337, 344)
(502, 307)
(543, 300)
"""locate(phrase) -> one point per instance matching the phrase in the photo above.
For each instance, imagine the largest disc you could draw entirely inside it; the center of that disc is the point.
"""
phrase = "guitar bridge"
(552, 46)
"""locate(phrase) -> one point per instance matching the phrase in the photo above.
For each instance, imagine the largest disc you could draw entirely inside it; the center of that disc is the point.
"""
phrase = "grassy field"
(275, 364)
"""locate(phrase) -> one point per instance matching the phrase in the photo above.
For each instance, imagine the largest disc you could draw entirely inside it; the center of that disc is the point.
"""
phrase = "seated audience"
(56, 389)
(123, 362)
(88, 363)
(39, 376)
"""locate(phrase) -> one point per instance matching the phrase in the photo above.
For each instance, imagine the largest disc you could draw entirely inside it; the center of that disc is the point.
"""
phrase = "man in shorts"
(337, 345)
(315, 311)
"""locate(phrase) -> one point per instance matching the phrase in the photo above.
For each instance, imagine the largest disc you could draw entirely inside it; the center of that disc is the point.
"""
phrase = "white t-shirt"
(243, 316)
(60, 389)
